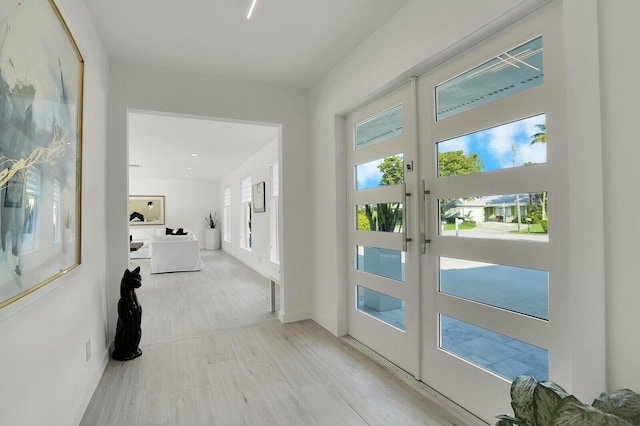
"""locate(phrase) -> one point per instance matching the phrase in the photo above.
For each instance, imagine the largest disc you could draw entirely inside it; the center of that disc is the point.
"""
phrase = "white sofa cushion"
(187, 237)
(174, 253)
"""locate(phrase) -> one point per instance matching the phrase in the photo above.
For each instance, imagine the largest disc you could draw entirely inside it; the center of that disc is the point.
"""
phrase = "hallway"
(214, 355)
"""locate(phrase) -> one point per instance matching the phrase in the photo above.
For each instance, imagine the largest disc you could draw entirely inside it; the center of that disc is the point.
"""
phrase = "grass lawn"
(536, 228)
(464, 225)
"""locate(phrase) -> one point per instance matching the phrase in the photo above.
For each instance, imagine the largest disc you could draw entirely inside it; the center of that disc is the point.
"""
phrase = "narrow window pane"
(516, 289)
(506, 217)
(383, 262)
(507, 74)
(379, 128)
(517, 144)
(381, 172)
(495, 352)
(386, 308)
(385, 217)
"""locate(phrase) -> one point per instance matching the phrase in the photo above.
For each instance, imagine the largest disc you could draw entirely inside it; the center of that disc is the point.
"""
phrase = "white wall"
(138, 87)
(257, 167)
(186, 203)
(620, 96)
(44, 375)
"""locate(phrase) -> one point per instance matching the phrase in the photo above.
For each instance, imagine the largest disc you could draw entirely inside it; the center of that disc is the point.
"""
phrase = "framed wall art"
(146, 210)
(257, 197)
(41, 82)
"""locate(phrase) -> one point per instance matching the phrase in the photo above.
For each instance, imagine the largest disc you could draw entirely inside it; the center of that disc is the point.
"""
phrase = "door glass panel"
(507, 74)
(383, 262)
(506, 217)
(516, 144)
(379, 128)
(384, 217)
(492, 351)
(381, 172)
(521, 290)
(386, 308)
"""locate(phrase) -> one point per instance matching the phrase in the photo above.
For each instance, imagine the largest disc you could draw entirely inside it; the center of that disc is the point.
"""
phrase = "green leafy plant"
(547, 404)
(212, 220)
(544, 223)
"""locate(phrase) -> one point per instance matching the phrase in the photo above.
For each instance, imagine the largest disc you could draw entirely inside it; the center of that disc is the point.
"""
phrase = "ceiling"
(161, 146)
(286, 42)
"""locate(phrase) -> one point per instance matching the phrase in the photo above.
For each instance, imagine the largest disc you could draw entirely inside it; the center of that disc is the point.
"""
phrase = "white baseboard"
(91, 387)
(287, 317)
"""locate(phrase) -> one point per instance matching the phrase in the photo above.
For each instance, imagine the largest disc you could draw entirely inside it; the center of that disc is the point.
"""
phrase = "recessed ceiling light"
(189, 168)
(194, 154)
(253, 4)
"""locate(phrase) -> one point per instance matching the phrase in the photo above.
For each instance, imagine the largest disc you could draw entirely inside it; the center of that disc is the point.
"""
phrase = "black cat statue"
(128, 332)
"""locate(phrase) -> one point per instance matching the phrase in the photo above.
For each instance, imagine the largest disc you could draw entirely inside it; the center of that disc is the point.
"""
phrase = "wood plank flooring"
(213, 354)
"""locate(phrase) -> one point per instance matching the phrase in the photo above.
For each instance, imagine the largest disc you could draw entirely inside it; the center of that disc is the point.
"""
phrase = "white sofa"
(174, 253)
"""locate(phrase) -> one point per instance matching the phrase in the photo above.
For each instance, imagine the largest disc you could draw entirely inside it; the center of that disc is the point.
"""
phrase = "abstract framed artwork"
(41, 84)
(146, 210)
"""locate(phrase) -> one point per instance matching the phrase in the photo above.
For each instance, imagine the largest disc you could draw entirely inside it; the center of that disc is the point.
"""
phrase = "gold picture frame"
(41, 84)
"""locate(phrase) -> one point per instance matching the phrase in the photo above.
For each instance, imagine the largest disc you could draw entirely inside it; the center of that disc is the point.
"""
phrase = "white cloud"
(456, 144)
(368, 172)
(536, 153)
(518, 135)
(500, 140)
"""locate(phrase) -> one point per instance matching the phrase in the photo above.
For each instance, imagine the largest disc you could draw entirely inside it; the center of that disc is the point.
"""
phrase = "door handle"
(424, 234)
(405, 222)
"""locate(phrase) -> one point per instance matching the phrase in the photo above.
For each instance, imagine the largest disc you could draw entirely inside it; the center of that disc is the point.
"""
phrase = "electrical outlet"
(87, 348)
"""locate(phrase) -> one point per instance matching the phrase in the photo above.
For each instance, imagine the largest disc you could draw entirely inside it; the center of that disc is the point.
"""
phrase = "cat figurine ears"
(135, 271)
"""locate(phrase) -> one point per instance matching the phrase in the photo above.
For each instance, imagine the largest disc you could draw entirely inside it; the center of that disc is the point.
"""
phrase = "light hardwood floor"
(214, 355)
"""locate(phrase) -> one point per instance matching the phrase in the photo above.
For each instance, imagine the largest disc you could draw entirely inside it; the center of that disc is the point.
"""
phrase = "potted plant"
(212, 233)
(547, 404)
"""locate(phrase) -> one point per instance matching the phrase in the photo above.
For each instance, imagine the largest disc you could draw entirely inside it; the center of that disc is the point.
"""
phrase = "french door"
(456, 210)
(383, 272)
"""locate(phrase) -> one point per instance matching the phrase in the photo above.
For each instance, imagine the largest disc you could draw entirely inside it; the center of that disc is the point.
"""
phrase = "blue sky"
(492, 145)
(368, 175)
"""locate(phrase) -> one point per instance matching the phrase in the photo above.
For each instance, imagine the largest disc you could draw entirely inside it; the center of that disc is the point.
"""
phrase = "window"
(507, 74)
(245, 208)
(490, 132)
(493, 351)
(383, 262)
(274, 254)
(227, 215)
(504, 217)
(380, 172)
(379, 128)
(383, 307)
(521, 290)
(517, 144)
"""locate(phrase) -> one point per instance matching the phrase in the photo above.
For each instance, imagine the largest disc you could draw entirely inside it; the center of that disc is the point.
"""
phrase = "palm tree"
(541, 137)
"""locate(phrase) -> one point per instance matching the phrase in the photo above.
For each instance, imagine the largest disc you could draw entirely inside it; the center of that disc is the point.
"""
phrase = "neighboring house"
(495, 208)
